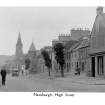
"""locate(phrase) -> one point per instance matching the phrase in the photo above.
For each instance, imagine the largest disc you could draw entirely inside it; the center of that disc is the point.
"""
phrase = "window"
(69, 66)
(69, 55)
(72, 64)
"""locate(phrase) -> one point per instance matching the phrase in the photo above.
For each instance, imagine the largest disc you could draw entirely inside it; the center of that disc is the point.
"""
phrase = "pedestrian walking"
(3, 75)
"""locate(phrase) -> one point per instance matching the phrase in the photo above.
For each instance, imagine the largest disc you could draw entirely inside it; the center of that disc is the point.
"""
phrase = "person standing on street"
(3, 75)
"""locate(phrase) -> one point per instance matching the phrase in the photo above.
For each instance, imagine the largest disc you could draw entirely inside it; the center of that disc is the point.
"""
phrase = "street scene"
(52, 49)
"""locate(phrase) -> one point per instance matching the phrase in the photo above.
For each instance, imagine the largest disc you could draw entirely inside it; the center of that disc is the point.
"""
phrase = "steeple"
(19, 41)
(32, 48)
(19, 46)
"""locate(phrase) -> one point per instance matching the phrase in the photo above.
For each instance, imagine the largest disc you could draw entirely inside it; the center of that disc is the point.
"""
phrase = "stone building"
(78, 54)
(74, 57)
(68, 46)
(32, 51)
(72, 48)
(69, 40)
(33, 58)
(41, 64)
(97, 49)
(68, 61)
(84, 53)
(62, 38)
(77, 33)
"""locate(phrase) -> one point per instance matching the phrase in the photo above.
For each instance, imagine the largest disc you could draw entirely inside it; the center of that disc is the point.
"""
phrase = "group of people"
(3, 75)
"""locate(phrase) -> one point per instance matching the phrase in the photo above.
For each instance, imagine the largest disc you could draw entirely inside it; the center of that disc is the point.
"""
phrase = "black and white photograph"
(49, 49)
(52, 52)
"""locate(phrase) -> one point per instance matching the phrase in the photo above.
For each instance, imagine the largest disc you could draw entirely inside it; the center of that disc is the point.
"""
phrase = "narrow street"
(41, 82)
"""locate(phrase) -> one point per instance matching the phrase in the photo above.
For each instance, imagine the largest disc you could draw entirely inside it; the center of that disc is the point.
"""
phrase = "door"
(93, 66)
(82, 66)
(100, 65)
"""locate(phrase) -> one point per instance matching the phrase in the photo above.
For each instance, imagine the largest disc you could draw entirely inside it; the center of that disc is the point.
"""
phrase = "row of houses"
(76, 49)
(85, 49)
(79, 54)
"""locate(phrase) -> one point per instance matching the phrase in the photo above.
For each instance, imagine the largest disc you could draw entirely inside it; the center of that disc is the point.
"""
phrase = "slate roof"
(98, 34)
(19, 41)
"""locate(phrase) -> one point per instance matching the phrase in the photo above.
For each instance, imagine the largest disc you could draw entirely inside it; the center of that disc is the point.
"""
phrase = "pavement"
(87, 80)
(83, 79)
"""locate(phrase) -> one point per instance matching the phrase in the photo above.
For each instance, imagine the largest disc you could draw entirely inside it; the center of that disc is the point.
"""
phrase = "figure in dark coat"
(3, 75)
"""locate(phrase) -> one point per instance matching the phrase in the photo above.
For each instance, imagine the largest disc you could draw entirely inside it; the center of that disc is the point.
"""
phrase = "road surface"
(41, 82)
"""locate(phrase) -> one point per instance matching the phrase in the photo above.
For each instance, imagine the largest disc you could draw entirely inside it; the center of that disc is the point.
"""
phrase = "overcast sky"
(40, 25)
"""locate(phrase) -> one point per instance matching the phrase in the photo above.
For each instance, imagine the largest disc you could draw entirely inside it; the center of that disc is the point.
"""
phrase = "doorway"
(93, 66)
(82, 66)
(100, 65)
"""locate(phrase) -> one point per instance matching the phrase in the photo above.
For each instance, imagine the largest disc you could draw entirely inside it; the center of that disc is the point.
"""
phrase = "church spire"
(19, 46)
(19, 41)
(32, 47)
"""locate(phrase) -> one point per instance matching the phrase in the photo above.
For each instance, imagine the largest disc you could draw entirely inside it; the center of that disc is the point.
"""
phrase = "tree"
(47, 60)
(59, 56)
(27, 63)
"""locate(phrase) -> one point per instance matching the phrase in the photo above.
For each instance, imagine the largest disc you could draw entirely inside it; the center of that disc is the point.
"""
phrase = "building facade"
(71, 41)
(41, 64)
(77, 33)
(33, 58)
(97, 49)
(62, 38)
(84, 53)
(74, 58)
(68, 46)
(68, 61)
